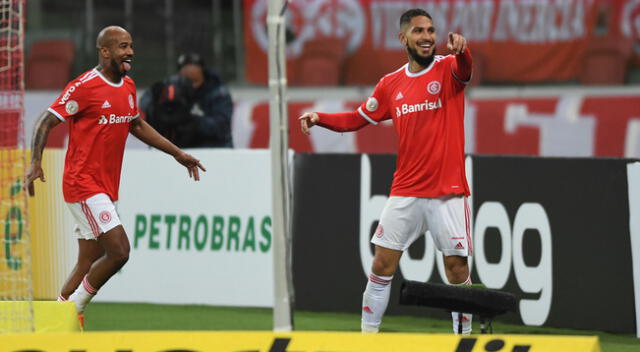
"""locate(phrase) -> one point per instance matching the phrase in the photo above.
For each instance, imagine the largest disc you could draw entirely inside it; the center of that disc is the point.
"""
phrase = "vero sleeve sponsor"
(71, 101)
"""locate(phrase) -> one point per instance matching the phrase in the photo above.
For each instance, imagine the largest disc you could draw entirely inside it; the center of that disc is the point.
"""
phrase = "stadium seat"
(49, 64)
(605, 61)
(320, 63)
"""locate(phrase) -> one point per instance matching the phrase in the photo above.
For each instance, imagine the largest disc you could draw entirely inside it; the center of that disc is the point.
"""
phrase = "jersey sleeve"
(376, 107)
(71, 102)
(461, 69)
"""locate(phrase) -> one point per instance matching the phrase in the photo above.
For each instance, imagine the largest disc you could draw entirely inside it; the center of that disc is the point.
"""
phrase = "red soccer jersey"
(427, 109)
(99, 113)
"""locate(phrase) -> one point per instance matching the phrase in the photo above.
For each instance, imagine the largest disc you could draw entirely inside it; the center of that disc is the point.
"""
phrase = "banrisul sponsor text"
(202, 233)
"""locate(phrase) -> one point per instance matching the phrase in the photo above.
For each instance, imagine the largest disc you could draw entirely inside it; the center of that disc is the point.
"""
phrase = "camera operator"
(191, 108)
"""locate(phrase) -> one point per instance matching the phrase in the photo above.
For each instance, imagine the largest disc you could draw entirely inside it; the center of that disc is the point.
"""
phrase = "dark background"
(585, 200)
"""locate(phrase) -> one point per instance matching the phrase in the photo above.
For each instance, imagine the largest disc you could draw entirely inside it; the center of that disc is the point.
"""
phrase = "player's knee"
(119, 255)
(457, 269)
(383, 266)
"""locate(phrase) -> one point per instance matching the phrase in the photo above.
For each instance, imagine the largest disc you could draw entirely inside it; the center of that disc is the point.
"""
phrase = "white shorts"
(404, 219)
(94, 216)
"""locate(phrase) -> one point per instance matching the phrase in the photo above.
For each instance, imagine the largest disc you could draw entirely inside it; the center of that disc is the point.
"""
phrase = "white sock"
(374, 302)
(82, 295)
(466, 318)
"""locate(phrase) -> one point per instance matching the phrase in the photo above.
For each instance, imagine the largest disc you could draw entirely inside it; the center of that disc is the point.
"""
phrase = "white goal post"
(280, 172)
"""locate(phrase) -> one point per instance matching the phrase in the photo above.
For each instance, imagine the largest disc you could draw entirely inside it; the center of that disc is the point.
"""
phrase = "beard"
(424, 61)
(116, 67)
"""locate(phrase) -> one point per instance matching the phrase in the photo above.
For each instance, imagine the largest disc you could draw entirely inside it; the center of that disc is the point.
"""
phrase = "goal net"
(16, 312)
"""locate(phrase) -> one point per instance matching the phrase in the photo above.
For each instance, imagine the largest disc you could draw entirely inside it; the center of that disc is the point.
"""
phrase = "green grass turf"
(130, 316)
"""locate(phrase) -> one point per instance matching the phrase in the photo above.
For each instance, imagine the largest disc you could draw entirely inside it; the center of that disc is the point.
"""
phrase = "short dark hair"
(190, 58)
(409, 14)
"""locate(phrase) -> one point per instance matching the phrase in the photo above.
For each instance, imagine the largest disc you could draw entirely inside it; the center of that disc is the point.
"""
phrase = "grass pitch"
(134, 316)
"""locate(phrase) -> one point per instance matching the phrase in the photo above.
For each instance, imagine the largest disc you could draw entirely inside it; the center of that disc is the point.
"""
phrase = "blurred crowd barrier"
(602, 122)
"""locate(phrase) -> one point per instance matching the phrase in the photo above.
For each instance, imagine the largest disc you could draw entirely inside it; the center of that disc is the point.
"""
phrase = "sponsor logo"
(105, 217)
(366, 309)
(399, 96)
(459, 246)
(106, 104)
(202, 233)
(433, 87)
(67, 93)
(131, 101)
(71, 107)
(411, 108)
(372, 104)
(114, 119)
(379, 231)
(535, 308)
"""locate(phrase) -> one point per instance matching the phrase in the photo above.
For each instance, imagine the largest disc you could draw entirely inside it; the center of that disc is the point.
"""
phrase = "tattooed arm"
(45, 123)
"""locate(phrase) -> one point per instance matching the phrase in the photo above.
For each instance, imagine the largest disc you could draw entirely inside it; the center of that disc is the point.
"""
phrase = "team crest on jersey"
(433, 87)
(71, 107)
(105, 217)
(372, 104)
(131, 101)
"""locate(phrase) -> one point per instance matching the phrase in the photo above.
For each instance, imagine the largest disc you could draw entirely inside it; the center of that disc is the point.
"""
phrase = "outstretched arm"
(144, 132)
(45, 123)
(339, 122)
(463, 65)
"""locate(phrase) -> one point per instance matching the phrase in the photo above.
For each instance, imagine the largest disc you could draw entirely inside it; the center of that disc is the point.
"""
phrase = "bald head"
(108, 34)
(115, 52)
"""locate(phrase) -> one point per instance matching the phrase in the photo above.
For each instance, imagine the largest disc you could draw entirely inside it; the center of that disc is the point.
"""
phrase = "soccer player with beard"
(101, 109)
(425, 100)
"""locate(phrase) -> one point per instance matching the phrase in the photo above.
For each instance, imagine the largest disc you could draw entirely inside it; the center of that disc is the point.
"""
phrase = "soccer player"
(101, 109)
(425, 100)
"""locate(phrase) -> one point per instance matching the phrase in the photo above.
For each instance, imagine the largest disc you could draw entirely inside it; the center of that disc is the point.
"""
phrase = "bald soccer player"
(101, 109)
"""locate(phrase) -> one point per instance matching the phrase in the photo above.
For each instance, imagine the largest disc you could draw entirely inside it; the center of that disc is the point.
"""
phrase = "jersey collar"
(119, 84)
(419, 73)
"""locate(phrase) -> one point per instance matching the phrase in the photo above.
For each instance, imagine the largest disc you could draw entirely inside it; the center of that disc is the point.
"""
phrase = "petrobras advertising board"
(205, 242)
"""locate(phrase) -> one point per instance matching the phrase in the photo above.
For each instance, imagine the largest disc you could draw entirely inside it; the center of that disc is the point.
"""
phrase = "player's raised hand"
(192, 164)
(308, 120)
(456, 43)
(35, 171)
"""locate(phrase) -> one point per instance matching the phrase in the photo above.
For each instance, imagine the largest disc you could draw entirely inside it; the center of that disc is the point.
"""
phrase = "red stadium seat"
(605, 61)
(320, 63)
(49, 64)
